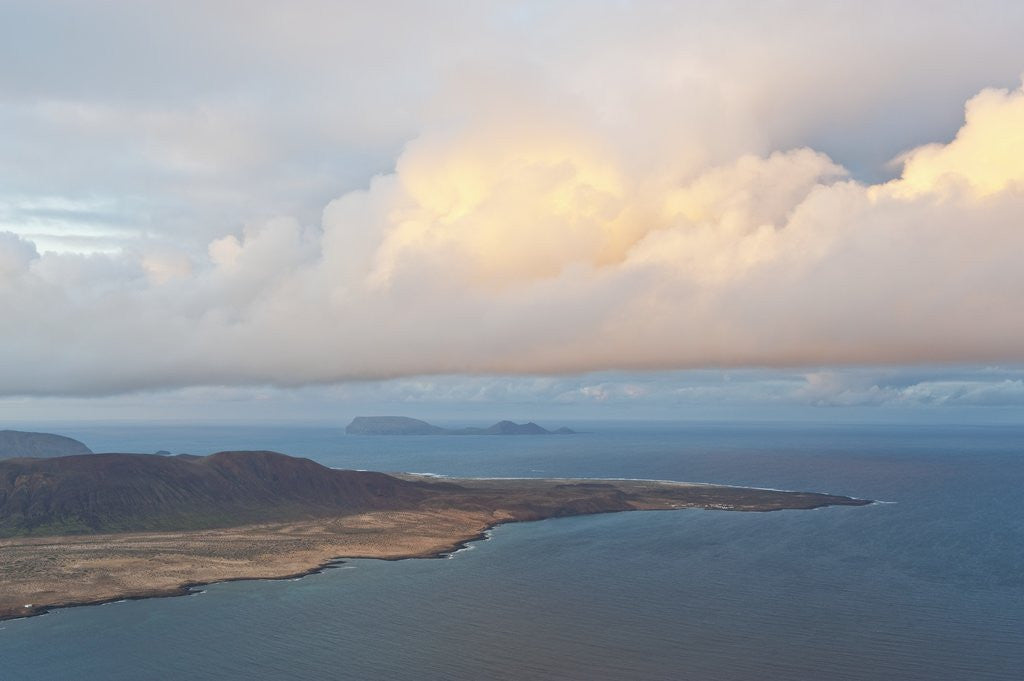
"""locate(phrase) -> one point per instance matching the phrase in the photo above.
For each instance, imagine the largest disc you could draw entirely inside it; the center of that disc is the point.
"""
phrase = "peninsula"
(403, 425)
(89, 529)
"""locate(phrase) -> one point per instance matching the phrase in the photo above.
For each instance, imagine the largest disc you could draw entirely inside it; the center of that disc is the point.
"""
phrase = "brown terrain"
(94, 528)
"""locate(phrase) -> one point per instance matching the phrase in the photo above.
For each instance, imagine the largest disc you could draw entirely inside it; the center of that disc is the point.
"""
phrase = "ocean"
(927, 586)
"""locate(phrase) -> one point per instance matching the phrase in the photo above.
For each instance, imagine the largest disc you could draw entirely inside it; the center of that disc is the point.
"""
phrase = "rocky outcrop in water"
(403, 425)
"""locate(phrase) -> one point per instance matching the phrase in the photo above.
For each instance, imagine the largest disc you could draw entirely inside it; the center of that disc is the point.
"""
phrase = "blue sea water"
(928, 587)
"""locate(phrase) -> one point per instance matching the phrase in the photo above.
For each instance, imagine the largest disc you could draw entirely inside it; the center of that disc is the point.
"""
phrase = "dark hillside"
(125, 492)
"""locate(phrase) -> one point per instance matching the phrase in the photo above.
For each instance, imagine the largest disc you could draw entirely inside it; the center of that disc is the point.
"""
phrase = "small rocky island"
(403, 425)
(93, 528)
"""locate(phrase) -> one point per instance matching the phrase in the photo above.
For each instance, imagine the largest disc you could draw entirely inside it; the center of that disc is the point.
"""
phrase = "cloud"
(15, 255)
(575, 209)
(985, 158)
(513, 250)
(196, 119)
(903, 388)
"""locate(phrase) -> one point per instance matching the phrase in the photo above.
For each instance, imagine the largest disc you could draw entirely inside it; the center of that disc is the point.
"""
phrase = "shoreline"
(196, 588)
(677, 483)
(56, 572)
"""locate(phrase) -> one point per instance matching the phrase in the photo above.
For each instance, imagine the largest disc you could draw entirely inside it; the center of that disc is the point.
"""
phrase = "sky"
(578, 209)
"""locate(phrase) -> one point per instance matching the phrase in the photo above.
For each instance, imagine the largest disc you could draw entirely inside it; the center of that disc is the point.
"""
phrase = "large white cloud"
(567, 191)
(523, 247)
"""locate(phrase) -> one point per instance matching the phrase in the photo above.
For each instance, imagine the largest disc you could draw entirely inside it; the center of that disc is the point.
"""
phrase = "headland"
(75, 537)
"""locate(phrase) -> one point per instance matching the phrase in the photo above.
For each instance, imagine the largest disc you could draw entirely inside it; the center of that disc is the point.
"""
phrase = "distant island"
(18, 443)
(99, 527)
(403, 425)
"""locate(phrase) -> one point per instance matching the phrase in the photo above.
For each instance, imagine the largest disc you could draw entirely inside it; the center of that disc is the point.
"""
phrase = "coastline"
(197, 587)
(41, 574)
